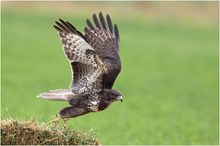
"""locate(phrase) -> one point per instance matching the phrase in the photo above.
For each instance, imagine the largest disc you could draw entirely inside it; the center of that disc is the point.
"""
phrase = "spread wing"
(104, 38)
(88, 69)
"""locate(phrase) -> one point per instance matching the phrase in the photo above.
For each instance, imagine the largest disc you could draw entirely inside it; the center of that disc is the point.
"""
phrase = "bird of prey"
(95, 64)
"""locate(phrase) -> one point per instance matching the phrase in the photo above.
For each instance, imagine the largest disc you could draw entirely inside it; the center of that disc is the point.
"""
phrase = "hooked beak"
(120, 98)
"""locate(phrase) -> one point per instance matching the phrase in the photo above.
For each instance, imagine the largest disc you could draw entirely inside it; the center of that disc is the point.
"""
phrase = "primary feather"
(105, 42)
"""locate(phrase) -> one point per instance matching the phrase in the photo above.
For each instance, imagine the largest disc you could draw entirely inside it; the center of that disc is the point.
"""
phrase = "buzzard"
(95, 63)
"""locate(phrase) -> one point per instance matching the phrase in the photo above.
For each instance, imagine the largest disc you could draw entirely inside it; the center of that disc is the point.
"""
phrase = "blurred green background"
(169, 79)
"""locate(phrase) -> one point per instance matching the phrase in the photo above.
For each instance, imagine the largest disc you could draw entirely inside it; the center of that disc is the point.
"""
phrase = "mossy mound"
(14, 132)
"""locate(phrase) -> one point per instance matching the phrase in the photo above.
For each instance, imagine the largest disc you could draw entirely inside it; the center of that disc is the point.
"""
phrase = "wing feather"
(96, 21)
(105, 41)
(116, 32)
(102, 20)
(88, 69)
(89, 24)
(109, 23)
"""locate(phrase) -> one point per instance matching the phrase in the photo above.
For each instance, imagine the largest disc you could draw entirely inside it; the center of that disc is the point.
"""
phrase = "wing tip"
(102, 20)
(66, 27)
(100, 12)
(116, 32)
(109, 21)
(89, 24)
(61, 20)
(57, 28)
(103, 24)
(106, 22)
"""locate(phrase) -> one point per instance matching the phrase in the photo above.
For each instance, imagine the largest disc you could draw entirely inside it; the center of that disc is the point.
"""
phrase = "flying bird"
(95, 64)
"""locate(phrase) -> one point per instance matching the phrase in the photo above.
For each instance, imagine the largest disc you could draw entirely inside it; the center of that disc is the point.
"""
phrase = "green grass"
(169, 79)
(15, 132)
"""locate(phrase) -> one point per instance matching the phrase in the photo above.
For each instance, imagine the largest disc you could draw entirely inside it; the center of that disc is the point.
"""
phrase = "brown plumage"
(95, 63)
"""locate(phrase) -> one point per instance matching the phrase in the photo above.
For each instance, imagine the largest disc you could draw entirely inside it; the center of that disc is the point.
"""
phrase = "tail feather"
(58, 95)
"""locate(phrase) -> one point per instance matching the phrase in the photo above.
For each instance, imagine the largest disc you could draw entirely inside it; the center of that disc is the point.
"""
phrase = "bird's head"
(113, 95)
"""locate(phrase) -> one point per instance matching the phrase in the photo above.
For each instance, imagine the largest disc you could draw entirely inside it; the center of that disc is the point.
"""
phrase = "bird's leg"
(65, 121)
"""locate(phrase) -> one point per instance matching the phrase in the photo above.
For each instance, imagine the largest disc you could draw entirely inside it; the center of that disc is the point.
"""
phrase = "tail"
(58, 95)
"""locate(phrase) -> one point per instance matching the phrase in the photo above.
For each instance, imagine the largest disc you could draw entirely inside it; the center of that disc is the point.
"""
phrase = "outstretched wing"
(88, 69)
(104, 38)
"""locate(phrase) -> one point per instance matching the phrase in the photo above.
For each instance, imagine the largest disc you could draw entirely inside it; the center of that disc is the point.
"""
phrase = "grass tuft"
(14, 132)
